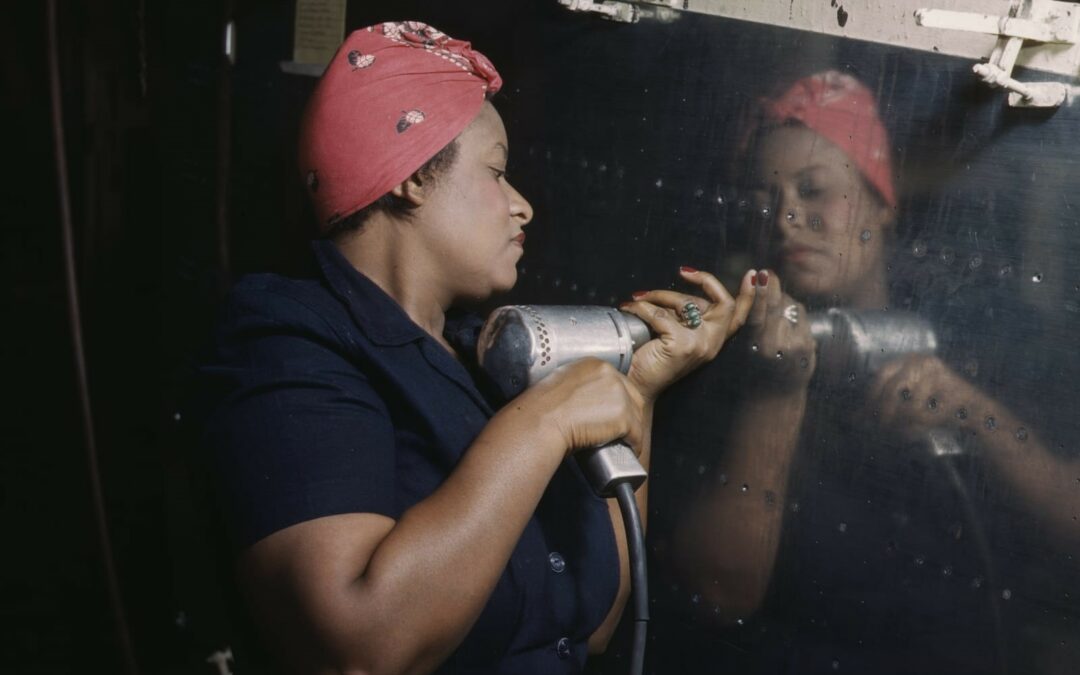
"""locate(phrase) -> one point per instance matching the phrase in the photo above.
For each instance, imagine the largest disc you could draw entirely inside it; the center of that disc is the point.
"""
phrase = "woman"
(835, 484)
(389, 519)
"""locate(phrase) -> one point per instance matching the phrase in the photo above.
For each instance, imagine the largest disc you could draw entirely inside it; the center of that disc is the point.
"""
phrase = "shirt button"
(557, 562)
(562, 648)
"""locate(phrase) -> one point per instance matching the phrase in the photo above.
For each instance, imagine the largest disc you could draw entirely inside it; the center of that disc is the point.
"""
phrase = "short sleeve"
(297, 430)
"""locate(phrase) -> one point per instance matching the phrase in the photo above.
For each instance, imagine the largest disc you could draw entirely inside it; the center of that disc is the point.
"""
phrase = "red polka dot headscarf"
(393, 96)
(842, 110)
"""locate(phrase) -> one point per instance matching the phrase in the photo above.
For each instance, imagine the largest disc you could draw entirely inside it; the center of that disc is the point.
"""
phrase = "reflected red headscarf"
(393, 96)
(841, 109)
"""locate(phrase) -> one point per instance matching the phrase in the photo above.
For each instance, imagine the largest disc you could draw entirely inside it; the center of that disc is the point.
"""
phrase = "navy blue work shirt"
(328, 399)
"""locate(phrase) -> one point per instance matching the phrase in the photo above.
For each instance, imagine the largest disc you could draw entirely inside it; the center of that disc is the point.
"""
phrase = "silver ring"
(691, 315)
(791, 313)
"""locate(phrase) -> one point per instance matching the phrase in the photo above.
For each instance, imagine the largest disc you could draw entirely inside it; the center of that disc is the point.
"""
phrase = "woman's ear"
(412, 189)
(887, 218)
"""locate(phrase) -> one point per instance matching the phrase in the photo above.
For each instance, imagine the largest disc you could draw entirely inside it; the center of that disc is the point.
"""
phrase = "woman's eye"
(809, 190)
(499, 173)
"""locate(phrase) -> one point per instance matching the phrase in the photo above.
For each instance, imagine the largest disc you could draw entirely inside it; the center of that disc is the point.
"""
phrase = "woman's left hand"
(679, 348)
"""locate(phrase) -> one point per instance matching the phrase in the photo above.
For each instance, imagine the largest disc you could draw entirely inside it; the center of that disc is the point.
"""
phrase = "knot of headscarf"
(842, 110)
(392, 96)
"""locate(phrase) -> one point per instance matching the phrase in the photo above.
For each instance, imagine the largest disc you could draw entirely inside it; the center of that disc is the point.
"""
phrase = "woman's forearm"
(725, 544)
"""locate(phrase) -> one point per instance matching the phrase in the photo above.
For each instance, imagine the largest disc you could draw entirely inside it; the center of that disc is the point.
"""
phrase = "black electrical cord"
(75, 319)
(639, 577)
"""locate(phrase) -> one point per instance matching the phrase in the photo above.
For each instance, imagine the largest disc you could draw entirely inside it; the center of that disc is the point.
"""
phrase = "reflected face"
(473, 229)
(824, 228)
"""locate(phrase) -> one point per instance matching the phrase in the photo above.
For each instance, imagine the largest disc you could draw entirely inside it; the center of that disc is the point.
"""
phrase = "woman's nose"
(520, 208)
(789, 214)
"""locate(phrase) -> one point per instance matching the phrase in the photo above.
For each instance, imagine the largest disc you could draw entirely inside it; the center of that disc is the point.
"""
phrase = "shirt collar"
(378, 315)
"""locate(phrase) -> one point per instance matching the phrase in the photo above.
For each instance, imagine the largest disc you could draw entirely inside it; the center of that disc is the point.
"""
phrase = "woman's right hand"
(589, 402)
(776, 337)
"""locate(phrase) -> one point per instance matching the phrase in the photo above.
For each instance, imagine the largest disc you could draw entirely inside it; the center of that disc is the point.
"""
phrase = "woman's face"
(824, 228)
(474, 217)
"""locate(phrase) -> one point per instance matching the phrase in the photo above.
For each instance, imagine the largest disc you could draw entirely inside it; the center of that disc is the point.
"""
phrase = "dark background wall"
(182, 179)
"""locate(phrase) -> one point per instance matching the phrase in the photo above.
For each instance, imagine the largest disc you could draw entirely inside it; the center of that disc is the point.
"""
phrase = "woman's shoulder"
(258, 303)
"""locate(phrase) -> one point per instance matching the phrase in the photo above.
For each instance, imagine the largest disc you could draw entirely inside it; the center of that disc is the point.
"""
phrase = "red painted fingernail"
(637, 294)
(762, 278)
(687, 269)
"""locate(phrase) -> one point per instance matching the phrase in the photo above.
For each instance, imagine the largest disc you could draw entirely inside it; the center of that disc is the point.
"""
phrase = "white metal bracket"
(613, 9)
(1034, 20)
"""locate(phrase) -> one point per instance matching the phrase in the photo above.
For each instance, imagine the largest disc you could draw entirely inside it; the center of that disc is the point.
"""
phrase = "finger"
(672, 299)
(743, 303)
(896, 395)
(773, 291)
(759, 309)
(710, 285)
(662, 320)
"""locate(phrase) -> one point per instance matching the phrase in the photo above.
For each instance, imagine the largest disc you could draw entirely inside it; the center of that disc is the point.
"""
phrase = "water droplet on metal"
(905, 394)
(990, 423)
(947, 256)
(815, 223)
(932, 403)
(659, 182)
(920, 561)
(918, 248)
(1005, 271)
(779, 355)
(1037, 278)
(701, 469)
(794, 507)
(962, 414)
(739, 621)
(946, 571)
(1021, 434)
(865, 235)
(765, 212)
(977, 582)
(842, 527)
(1006, 594)
(698, 193)
(804, 362)
(754, 347)
(695, 598)
(720, 199)
(790, 215)
(744, 488)
(836, 664)
(975, 262)
(851, 377)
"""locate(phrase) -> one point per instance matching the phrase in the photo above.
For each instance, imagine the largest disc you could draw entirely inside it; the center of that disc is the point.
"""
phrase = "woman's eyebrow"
(813, 167)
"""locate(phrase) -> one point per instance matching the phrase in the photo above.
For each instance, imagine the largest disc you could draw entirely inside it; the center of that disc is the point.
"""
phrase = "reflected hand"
(777, 336)
(919, 393)
(679, 349)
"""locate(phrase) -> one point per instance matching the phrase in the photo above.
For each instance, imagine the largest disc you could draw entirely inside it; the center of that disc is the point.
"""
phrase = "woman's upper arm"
(305, 588)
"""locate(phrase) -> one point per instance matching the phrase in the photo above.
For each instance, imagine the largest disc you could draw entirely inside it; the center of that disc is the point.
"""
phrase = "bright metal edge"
(893, 23)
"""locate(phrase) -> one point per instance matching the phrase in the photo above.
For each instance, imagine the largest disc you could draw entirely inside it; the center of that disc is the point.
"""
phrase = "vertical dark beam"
(75, 320)
(224, 151)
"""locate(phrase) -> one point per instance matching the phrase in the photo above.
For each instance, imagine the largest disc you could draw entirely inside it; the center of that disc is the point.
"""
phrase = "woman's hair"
(390, 204)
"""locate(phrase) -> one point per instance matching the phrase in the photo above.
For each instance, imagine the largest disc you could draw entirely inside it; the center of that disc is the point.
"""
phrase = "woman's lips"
(519, 240)
(797, 254)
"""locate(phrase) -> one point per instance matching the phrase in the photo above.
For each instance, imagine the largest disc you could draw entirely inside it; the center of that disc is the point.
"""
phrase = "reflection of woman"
(389, 519)
(880, 568)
